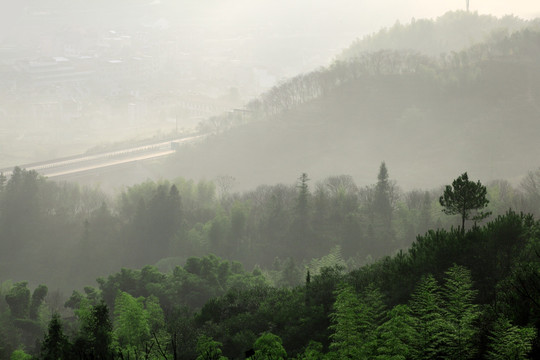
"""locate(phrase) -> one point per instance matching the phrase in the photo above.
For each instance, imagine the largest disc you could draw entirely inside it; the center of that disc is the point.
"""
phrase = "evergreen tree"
(396, 335)
(21, 209)
(463, 197)
(303, 195)
(372, 315)
(95, 337)
(380, 231)
(56, 345)
(460, 315)
(382, 205)
(428, 319)
(300, 230)
(347, 324)
(510, 342)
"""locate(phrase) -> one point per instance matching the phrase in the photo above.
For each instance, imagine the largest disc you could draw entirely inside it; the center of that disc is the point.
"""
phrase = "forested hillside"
(51, 231)
(451, 32)
(427, 117)
(343, 242)
(453, 294)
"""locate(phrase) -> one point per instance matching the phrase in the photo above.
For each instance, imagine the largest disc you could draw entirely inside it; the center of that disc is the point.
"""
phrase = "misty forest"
(163, 197)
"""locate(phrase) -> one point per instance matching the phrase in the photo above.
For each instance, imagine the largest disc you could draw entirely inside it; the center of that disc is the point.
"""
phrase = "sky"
(344, 20)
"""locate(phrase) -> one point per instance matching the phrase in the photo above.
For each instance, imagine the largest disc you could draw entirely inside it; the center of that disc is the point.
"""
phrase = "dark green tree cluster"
(452, 295)
(395, 308)
(21, 320)
(154, 312)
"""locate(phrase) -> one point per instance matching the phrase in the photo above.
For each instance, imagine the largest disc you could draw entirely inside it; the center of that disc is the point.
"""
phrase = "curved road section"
(82, 163)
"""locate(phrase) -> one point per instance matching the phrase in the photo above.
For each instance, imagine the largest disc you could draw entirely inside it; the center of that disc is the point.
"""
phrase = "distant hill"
(453, 31)
(429, 118)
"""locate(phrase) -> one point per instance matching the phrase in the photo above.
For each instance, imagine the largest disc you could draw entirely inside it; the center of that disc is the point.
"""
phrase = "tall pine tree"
(460, 315)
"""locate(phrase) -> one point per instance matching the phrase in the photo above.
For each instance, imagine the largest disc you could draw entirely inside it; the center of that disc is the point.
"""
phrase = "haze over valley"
(239, 179)
(149, 70)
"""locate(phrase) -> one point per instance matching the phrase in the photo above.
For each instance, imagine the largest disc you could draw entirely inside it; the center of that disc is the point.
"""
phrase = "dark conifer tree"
(464, 196)
(55, 345)
(381, 203)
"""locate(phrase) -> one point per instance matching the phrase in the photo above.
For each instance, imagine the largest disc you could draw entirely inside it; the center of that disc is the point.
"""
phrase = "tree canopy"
(463, 197)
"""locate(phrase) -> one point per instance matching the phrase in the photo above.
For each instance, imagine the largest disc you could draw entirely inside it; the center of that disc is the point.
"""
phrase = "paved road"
(76, 164)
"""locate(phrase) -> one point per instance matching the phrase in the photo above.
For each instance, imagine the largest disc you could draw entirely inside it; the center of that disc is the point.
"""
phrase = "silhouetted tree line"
(451, 32)
(473, 66)
(275, 227)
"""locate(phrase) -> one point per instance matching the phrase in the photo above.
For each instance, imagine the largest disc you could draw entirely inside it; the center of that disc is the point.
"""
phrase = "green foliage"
(153, 224)
(290, 275)
(382, 198)
(332, 259)
(155, 310)
(55, 345)
(313, 351)
(95, 337)
(396, 335)
(463, 197)
(21, 210)
(460, 315)
(301, 230)
(426, 305)
(439, 322)
(208, 349)
(347, 324)
(508, 341)
(18, 299)
(156, 318)
(131, 321)
(37, 299)
(20, 355)
(355, 322)
(269, 347)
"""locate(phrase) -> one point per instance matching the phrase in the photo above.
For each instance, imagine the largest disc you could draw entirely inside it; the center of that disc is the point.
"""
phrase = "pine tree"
(396, 334)
(372, 315)
(382, 205)
(356, 320)
(95, 337)
(346, 323)
(510, 342)
(428, 321)
(300, 227)
(56, 345)
(460, 314)
(463, 197)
